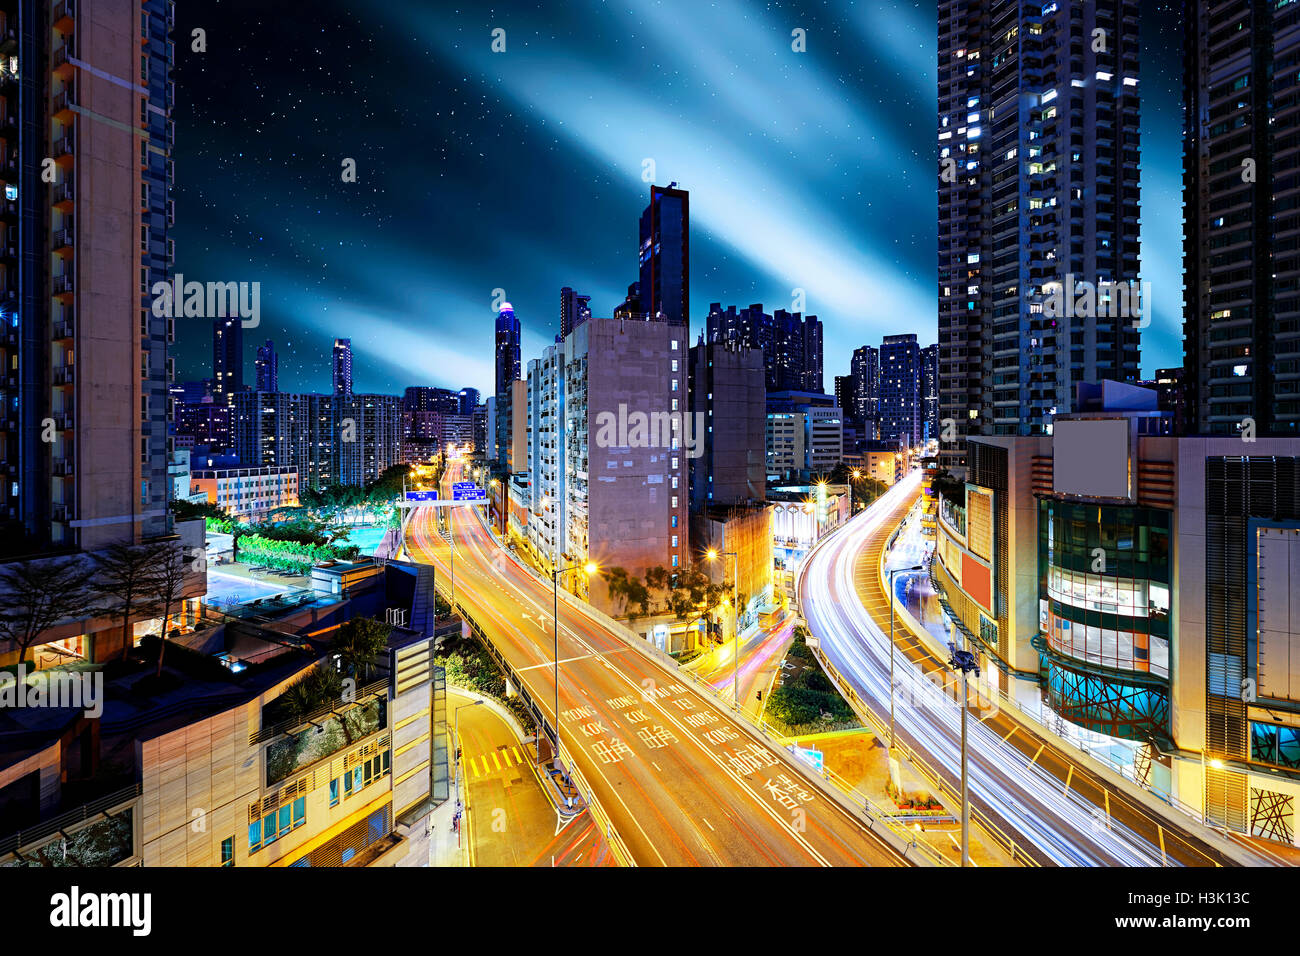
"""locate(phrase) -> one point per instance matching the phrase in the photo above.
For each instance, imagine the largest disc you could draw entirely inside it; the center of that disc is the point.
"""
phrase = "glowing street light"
(589, 568)
(712, 555)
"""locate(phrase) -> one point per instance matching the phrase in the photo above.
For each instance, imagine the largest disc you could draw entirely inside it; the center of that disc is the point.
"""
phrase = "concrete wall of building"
(108, 491)
(633, 494)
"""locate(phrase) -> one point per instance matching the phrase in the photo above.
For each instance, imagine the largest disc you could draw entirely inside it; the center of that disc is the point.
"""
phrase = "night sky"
(522, 170)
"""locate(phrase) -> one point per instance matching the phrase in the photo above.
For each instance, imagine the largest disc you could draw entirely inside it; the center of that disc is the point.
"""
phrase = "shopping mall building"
(1137, 591)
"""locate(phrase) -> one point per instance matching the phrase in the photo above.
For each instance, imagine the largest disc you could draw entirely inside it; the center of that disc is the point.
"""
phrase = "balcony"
(64, 239)
(66, 145)
(63, 104)
(64, 15)
(61, 59)
(62, 468)
(64, 329)
(64, 285)
(64, 375)
(65, 193)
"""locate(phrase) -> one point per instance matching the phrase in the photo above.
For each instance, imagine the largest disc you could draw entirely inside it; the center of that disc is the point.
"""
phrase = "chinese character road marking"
(612, 752)
(657, 738)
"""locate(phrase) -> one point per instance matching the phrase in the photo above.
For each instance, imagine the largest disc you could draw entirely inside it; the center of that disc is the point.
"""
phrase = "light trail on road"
(1019, 795)
(680, 780)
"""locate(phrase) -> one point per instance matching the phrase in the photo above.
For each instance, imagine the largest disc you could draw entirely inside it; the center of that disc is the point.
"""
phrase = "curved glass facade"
(1104, 584)
(1104, 599)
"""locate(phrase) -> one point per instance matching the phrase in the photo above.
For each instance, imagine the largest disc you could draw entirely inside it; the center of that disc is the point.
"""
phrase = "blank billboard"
(1091, 458)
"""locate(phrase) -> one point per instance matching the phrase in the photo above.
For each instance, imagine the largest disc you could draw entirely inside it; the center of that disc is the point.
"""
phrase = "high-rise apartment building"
(1038, 131)
(865, 371)
(468, 400)
(574, 310)
(930, 392)
(791, 343)
(1241, 343)
(268, 368)
(665, 255)
(81, 346)
(344, 439)
(341, 367)
(507, 373)
(368, 439)
(227, 358)
(900, 389)
(626, 473)
(546, 465)
(728, 416)
(286, 429)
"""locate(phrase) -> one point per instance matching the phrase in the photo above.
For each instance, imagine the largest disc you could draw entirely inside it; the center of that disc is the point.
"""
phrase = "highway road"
(681, 782)
(1038, 794)
(761, 654)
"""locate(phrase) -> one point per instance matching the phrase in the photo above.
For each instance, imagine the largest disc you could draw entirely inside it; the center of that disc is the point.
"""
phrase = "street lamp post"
(964, 661)
(891, 651)
(712, 555)
(455, 764)
(852, 487)
(590, 569)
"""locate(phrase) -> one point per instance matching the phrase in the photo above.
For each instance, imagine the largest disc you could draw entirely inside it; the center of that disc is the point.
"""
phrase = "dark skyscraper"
(900, 389)
(468, 401)
(1038, 190)
(342, 367)
(574, 310)
(844, 396)
(865, 370)
(791, 343)
(227, 359)
(507, 373)
(268, 368)
(1241, 342)
(728, 401)
(665, 254)
(930, 392)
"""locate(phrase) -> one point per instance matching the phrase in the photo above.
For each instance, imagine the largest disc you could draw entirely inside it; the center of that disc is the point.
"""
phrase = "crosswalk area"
(492, 761)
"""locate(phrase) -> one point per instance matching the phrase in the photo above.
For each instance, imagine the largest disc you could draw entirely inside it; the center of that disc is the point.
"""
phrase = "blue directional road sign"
(468, 494)
(422, 496)
(462, 485)
(814, 758)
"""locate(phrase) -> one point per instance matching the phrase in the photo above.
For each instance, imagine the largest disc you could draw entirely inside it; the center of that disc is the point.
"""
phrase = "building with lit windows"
(1241, 336)
(900, 390)
(626, 489)
(546, 529)
(247, 494)
(1135, 590)
(1038, 134)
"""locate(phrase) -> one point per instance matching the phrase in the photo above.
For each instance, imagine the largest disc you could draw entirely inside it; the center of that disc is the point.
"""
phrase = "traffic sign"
(814, 758)
(422, 496)
(468, 494)
(462, 485)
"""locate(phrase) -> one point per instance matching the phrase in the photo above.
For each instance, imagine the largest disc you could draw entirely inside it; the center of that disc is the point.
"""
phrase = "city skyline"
(425, 291)
(333, 540)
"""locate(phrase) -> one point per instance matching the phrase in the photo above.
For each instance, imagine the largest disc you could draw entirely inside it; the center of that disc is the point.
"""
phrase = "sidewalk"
(511, 816)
